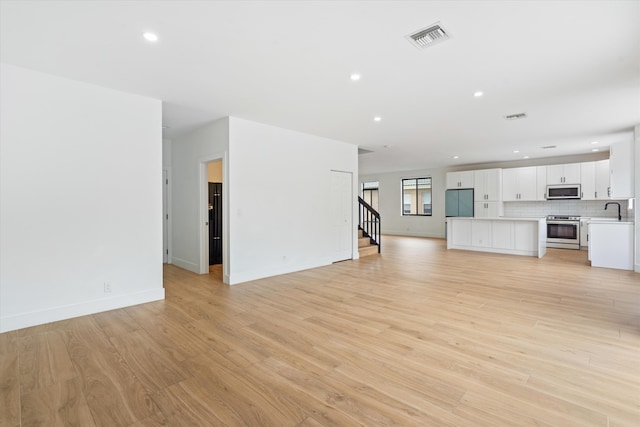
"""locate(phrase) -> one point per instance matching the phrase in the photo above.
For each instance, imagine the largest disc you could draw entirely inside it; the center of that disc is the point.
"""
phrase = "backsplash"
(586, 208)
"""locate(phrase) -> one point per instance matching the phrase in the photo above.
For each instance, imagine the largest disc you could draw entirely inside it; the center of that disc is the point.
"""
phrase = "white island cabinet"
(516, 236)
(611, 244)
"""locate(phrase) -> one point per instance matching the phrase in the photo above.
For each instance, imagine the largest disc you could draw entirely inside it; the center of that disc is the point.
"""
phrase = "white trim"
(187, 265)
(167, 169)
(33, 318)
(203, 210)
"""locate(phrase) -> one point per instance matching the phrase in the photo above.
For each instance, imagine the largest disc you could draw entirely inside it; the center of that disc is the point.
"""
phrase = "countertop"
(498, 218)
(609, 221)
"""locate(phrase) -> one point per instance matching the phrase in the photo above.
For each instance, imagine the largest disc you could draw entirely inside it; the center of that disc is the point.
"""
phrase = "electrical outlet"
(107, 287)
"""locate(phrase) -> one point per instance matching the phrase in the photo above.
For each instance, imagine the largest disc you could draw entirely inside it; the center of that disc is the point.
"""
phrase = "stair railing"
(369, 222)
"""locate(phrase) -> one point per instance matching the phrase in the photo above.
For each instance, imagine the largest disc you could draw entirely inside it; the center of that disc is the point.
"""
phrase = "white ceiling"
(572, 66)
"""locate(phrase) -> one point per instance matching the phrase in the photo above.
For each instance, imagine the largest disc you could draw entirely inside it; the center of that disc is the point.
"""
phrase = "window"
(416, 196)
(370, 193)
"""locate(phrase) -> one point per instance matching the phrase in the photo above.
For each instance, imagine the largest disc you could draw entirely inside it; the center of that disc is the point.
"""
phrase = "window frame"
(370, 191)
(415, 196)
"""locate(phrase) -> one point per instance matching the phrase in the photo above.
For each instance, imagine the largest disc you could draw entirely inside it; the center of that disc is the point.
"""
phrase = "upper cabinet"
(519, 184)
(487, 185)
(456, 180)
(621, 164)
(594, 177)
(541, 183)
(563, 174)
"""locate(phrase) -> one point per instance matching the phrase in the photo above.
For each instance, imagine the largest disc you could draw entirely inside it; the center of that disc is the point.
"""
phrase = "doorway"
(215, 223)
(214, 216)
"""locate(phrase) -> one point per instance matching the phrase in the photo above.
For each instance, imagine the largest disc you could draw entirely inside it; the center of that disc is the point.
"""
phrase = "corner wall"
(207, 143)
(280, 196)
(636, 208)
(80, 204)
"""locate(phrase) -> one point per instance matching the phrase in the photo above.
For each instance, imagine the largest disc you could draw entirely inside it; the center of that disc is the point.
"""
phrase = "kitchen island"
(515, 236)
(611, 244)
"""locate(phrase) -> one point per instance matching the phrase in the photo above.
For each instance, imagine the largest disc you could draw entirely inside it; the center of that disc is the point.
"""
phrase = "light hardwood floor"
(417, 336)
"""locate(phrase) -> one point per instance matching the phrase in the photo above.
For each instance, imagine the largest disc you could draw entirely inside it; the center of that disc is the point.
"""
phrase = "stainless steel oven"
(563, 232)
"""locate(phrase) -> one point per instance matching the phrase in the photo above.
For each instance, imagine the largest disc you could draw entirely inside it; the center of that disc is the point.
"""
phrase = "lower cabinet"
(459, 232)
(481, 233)
(504, 235)
(526, 235)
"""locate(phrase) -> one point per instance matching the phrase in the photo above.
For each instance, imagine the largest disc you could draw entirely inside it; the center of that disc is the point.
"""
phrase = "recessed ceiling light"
(594, 142)
(150, 37)
(377, 119)
(354, 77)
(595, 149)
(525, 157)
(478, 94)
(456, 157)
(516, 151)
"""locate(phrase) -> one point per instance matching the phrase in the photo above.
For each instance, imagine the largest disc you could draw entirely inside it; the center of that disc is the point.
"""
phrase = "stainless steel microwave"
(564, 191)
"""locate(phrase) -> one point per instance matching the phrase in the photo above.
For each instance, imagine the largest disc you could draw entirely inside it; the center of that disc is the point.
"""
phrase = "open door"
(215, 223)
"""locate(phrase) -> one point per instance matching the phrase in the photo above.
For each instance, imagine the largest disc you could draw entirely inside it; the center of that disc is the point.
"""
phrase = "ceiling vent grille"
(516, 116)
(429, 36)
(546, 147)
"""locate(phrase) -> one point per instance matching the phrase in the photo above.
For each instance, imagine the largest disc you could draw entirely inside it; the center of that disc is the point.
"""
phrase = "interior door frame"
(165, 216)
(203, 210)
(352, 212)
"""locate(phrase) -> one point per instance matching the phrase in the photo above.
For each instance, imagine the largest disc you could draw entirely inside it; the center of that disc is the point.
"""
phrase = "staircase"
(365, 247)
(368, 229)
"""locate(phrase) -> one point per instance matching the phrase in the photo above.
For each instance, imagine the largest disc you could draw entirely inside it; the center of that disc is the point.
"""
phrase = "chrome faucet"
(614, 203)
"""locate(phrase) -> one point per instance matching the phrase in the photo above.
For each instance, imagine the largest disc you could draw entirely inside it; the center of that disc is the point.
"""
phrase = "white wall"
(280, 200)
(276, 199)
(390, 204)
(80, 203)
(188, 153)
(636, 208)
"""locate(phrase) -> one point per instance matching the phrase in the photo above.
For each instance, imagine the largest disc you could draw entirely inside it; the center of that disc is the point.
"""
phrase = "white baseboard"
(411, 234)
(187, 265)
(247, 277)
(33, 318)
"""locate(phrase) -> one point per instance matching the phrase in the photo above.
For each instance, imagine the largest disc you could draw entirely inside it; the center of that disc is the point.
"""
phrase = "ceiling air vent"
(515, 116)
(429, 36)
(546, 147)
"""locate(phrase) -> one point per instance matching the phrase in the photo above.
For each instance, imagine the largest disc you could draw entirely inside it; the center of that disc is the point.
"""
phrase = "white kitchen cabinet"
(526, 235)
(488, 209)
(584, 232)
(563, 174)
(460, 234)
(621, 164)
(594, 180)
(519, 184)
(462, 179)
(611, 244)
(541, 183)
(487, 185)
(516, 236)
(481, 233)
(603, 179)
(503, 235)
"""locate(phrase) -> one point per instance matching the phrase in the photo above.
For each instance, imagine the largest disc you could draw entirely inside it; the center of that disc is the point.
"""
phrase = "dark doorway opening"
(215, 223)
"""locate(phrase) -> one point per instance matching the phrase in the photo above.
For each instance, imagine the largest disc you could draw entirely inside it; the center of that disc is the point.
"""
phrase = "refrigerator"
(459, 202)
